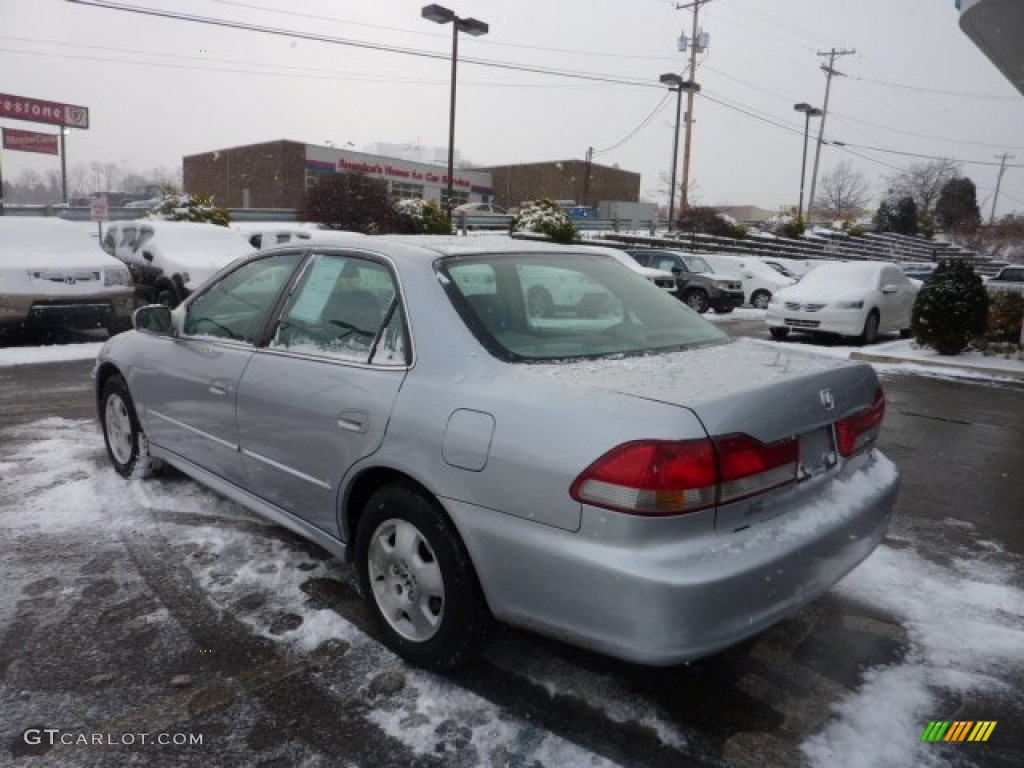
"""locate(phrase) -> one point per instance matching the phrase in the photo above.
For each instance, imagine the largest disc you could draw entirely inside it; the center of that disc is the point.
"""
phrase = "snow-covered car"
(267, 234)
(760, 281)
(602, 476)
(54, 276)
(170, 259)
(858, 299)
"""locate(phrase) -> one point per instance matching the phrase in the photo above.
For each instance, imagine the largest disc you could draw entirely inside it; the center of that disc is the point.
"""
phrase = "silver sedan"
(609, 469)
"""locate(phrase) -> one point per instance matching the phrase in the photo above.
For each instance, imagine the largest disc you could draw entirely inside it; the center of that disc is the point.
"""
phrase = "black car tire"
(167, 294)
(760, 299)
(778, 332)
(905, 333)
(870, 332)
(127, 446)
(696, 300)
(437, 631)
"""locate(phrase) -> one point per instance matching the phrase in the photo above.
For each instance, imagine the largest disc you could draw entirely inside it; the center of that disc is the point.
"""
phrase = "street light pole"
(441, 15)
(675, 82)
(809, 112)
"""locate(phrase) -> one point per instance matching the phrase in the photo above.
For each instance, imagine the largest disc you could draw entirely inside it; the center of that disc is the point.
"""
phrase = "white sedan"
(859, 299)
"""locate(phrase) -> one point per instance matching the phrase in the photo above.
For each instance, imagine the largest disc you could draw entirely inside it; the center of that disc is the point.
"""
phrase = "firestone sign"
(36, 111)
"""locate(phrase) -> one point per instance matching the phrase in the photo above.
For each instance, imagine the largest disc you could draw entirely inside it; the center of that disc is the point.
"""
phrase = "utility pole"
(1002, 169)
(829, 71)
(684, 189)
(586, 176)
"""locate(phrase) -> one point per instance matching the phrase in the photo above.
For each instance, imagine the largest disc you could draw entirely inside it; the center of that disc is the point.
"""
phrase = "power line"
(635, 131)
(242, 26)
(925, 157)
(938, 91)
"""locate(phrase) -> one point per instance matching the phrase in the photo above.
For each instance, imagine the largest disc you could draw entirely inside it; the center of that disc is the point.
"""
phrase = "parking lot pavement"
(154, 607)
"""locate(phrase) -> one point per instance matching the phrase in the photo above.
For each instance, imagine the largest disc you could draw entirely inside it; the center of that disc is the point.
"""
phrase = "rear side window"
(531, 308)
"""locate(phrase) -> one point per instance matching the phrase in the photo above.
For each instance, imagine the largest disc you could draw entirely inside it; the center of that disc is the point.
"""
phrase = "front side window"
(530, 307)
(236, 306)
(697, 264)
(344, 307)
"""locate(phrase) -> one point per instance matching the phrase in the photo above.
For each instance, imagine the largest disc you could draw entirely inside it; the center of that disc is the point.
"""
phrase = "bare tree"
(78, 179)
(844, 192)
(923, 182)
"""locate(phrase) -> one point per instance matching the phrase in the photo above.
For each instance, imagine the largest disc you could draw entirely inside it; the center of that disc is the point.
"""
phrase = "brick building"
(276, 174)
(565, 180)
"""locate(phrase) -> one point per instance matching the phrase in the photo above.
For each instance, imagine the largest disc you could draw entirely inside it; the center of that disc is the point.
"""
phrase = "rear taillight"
(661, 477)
(860, 430)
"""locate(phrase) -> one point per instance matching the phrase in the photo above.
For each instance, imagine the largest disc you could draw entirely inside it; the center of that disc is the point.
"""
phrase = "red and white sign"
(36, 111)
(99, 210)
(30, 141)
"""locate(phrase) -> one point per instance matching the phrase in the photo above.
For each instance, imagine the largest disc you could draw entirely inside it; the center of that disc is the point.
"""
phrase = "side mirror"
(677, 270)
(749, 275)
(890, 289)
(154, 319)
(147, 255)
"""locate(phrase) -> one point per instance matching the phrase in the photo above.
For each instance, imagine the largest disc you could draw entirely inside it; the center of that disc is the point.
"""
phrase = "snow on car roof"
(190, 244)
(49, 242)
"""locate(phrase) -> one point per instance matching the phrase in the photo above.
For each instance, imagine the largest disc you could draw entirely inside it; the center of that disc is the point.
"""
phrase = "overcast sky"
(159, 89)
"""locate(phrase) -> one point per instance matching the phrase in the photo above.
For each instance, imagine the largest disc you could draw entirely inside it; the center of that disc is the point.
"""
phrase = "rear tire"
(778, 332)
(127, 446)
(416, 578)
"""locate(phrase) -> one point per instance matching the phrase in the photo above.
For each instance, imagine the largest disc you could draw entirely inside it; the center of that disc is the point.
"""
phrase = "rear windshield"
(530, 307)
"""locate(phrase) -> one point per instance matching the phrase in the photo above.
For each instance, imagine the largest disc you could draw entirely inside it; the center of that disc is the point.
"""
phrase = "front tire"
(778, 332)
(870, 332)
(760, 299)
(127, 446)
(417, 580)
(697, 301)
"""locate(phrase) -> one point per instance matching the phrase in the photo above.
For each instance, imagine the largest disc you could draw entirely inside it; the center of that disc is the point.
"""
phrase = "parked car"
(481, 216)
(783, 269)
(54, 276)
(481, 209)
(1010, 278)
(601, 476)
(169, 259)
(859, 299)
(698, 287)
(922, 271)
(759, 280)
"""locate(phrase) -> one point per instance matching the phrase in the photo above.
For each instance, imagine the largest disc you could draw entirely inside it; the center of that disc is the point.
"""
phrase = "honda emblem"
(827, 401)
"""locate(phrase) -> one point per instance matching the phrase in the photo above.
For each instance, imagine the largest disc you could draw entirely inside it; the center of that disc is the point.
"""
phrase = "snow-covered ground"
(900, 355)
(963, 613)
(964, 617)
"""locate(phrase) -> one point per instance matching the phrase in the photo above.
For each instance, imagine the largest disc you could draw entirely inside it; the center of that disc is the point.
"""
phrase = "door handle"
(219, 387)
(353, 420)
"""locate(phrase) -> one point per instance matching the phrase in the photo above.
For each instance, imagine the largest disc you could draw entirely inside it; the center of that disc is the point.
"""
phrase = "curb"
(1008, 373)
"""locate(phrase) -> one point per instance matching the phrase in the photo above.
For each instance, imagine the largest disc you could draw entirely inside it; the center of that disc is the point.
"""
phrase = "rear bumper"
(672, 600)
